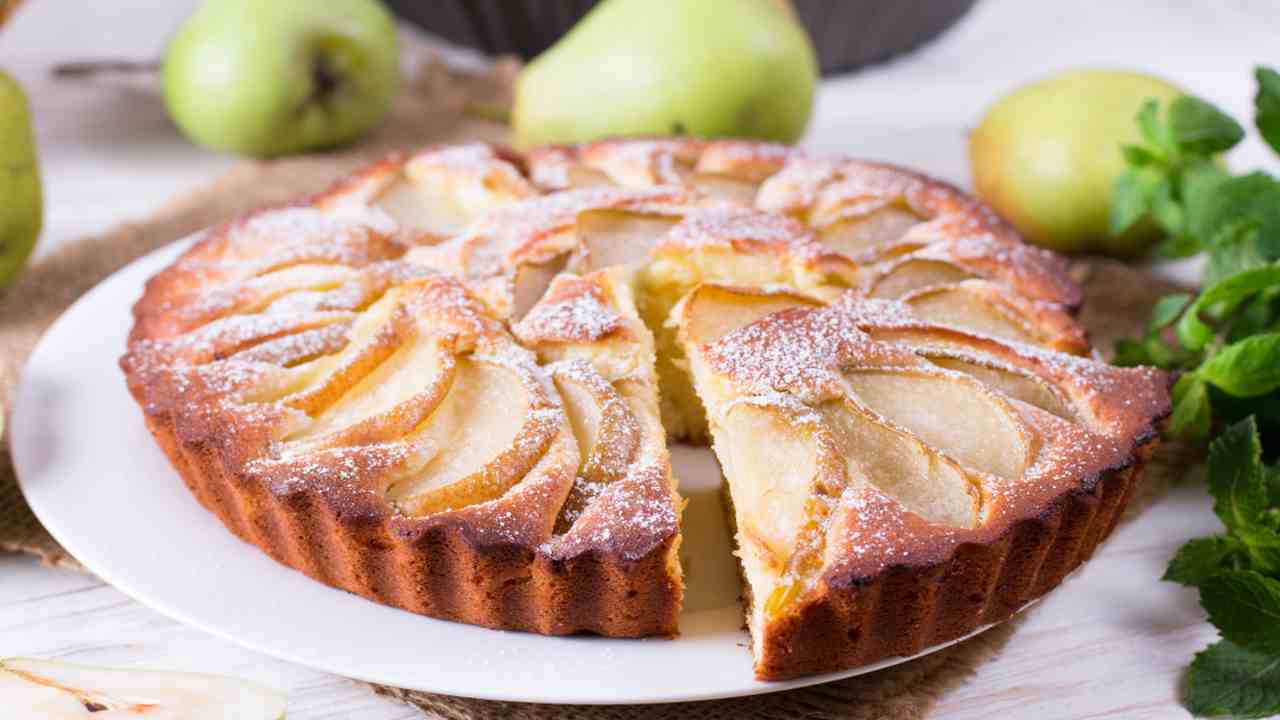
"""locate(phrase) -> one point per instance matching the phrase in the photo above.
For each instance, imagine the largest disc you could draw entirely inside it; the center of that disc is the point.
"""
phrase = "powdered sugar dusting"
(741, 227)
(583, 317)
(800, 350)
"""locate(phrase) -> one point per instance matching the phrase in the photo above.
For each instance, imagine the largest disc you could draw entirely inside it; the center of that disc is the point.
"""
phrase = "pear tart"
(446, 384)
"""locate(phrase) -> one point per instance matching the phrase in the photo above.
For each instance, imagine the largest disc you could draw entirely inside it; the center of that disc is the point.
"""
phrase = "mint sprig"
(1236, 573)
(1172, 169)
(1224, 344)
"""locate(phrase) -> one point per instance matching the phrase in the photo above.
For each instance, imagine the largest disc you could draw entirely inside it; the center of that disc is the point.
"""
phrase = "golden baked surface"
(446, 384)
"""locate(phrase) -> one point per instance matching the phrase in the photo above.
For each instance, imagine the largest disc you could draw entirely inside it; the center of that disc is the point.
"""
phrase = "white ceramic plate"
(96, 480)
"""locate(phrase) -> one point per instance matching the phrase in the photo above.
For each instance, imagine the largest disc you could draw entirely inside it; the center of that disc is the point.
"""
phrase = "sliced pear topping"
(530, 284)
(410, 370)
(1019, 385)
(580, 176)
(966, 307)
(325, 381)
(488, 436)
(297, 348)
(952, 414)
(712, 311)
(902, 466)
(444, 190)
(315, 385)
(915, 273)
(585, 410)
(46, 689)
(783, 493)
(771, 482)
(418, 209)
(620, 237)
(857, 233)
(728, 187)
(388, 403)
(257, 293)
(607, 432)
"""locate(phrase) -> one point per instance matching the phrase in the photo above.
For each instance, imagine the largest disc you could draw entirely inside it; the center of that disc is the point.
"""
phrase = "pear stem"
(89, 68)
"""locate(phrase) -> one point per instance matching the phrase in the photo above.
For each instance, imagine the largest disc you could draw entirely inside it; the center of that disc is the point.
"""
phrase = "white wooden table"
(1110, 643)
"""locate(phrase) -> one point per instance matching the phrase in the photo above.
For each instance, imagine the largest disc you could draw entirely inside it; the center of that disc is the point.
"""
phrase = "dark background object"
(847, 33)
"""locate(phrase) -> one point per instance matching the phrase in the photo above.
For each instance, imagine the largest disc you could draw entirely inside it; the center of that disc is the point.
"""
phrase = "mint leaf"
(1257, 317)
(1167, 309)
(1235, 475)
(1131, 198)
(1267, 106)
(1165, 209)
(1131, 353)
(1193, 333)
(1140, 156)
(1245, 368)
(1149, 124)
(1245, 607)
(1178, 246)
(1272, 475)
(1198, 127)
(1240, 485)
(1192, 415)
(1199, 559)
(1263, 544)
(1236, 248)
(1199, 181)
(1213, 202)
(1227, 679)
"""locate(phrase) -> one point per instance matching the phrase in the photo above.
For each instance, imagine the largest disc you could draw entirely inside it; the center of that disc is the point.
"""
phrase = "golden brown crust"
(909, 607)
(441, 569)
(225, 335)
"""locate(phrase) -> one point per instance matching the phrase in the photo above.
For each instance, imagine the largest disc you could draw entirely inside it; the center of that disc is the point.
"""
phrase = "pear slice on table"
(57, 690)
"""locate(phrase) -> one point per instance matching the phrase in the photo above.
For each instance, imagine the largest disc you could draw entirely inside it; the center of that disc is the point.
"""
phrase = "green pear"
(21, 202)
(708, 68)
(1047, 156)
(57, 690)
(271, 77)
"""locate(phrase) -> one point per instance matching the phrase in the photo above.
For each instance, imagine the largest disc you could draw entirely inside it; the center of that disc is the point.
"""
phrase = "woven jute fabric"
(437, 109)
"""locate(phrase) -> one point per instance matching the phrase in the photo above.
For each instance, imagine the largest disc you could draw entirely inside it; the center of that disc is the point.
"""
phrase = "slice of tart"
(897, 483)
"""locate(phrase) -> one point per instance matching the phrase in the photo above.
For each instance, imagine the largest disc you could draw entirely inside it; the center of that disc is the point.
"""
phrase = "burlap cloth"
(443, 105)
